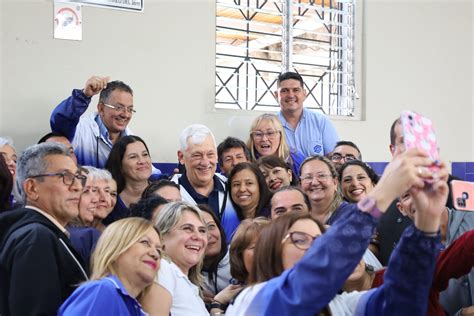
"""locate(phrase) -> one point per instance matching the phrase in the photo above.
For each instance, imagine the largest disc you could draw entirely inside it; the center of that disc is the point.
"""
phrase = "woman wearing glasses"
(318, 179)
(124, 265)
(130, 165)
(267, 137)
(308, 268)
(177, 289)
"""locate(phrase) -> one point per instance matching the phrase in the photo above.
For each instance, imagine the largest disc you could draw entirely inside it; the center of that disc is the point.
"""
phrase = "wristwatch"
(216, 304)
(369, 205)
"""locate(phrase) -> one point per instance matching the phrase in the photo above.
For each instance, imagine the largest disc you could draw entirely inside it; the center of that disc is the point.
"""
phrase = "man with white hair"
(200, 184)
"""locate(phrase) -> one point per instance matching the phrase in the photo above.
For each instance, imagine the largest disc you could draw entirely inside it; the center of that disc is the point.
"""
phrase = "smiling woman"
(318, 179)
(249, 193)
(267, 137)
(357, 180)
(130, 165)
(124, 265)
(177, 287)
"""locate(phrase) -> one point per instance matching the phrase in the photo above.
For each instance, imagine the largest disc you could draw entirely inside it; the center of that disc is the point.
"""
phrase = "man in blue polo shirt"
(200, 184)
(310, 132)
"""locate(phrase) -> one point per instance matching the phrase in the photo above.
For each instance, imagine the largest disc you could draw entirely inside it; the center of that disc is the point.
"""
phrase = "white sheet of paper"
(67, 21)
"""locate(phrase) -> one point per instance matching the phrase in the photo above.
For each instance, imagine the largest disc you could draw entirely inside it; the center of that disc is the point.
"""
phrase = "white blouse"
(185, 295)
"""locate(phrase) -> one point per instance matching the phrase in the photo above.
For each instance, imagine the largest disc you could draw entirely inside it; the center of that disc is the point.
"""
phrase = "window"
(258, 39)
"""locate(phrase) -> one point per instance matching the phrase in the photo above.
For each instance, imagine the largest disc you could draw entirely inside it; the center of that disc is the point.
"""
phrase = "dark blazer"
(39, 267)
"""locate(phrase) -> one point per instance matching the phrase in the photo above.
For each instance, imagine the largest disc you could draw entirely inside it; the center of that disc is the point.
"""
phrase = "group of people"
(294, 224)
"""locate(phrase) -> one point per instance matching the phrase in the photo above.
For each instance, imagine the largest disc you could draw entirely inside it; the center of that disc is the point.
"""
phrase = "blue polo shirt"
(212, 200)
(106, 296)
(314, 135)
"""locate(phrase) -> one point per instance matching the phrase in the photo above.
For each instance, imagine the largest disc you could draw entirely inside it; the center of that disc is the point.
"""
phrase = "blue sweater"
(316, 279)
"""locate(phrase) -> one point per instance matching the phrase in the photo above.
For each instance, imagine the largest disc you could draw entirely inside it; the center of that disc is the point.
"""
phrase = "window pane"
(249, 53)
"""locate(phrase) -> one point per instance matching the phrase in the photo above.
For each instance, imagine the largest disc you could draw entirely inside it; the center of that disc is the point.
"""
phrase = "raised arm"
(315, 280)
(411, 266)
(66, 115)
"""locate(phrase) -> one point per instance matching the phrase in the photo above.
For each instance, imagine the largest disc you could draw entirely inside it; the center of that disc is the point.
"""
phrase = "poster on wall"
(67, 21)
(130, 5)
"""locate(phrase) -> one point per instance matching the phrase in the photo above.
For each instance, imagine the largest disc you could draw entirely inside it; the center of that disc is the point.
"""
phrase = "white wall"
(415, 52)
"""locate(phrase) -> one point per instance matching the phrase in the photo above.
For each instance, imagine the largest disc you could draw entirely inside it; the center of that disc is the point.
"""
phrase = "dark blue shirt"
(212, 200)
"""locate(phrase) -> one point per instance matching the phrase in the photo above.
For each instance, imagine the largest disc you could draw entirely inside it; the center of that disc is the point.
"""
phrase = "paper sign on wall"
(130, 5)
(67, 21)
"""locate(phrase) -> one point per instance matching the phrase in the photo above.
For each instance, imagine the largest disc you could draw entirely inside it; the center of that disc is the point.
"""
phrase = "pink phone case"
(418, 133)
(463, 195)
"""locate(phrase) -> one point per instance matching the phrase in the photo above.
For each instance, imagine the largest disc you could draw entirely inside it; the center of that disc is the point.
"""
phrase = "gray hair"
(97, 174)
(32, 161)
(171, 213)
(168, 218)
(196, 133)
(6, 141)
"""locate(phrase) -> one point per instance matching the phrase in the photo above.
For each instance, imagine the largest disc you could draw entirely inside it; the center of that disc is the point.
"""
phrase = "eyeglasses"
(321, 177)
(68, 177)
(339, 157)
(301, 240)
(121, 108)
(270, 134)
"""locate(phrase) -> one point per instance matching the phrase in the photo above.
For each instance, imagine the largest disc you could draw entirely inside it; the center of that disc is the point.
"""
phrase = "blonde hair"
(283, 150)
(117, 238)
(167, 219)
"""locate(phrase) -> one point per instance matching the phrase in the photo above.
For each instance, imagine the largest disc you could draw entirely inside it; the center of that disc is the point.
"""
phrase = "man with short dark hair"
(59, 138)
(308, 131)
(39, 268)
(232, 151)
(288, 199)
(94, 134)
(343, 152)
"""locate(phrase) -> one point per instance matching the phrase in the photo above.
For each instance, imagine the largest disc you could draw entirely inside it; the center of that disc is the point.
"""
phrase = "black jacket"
(39, 268)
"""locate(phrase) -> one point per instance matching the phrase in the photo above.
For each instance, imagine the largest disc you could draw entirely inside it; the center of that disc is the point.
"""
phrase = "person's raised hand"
(94, 85)
(407, 170)
(430, 202)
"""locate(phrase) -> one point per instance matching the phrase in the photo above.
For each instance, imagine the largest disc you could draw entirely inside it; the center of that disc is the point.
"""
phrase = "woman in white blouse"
(177, 287)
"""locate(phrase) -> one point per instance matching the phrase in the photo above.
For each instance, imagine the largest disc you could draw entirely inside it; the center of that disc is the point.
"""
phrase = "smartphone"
(418, 133)
(463, 195)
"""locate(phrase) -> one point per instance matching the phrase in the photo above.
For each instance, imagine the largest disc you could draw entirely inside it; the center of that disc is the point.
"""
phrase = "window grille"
(256, 40)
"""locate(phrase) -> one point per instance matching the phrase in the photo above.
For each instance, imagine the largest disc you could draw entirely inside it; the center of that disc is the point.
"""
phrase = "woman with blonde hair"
(124, 265)
(267, 137)
(177, 287)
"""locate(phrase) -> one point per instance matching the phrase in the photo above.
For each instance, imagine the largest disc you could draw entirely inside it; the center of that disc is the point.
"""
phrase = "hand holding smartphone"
(418, 133)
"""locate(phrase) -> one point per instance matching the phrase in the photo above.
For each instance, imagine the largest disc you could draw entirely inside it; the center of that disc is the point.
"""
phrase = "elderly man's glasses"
(68, 177)
(339, 157)
(301, 240)
(121, 108)
(270, 134)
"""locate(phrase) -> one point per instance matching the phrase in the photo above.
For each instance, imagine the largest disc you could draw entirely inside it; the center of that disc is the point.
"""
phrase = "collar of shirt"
(130, 301)
(184, 181)
(285, 123)
(212, 199)
(104, 132)
(118, 285)
(51, 218)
